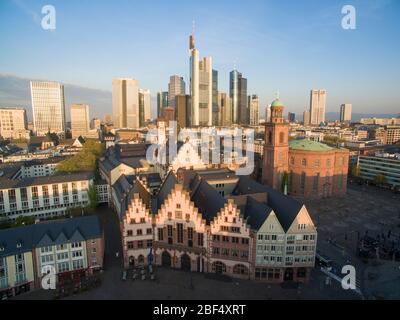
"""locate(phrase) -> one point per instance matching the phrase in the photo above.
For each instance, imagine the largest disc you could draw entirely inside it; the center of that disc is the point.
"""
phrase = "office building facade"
(176, 87)
(125, 97)
(345, 112)
(80, 120)
(317, 106)
(13, 123)
(238, 95)
(48, 107)
(254, 106)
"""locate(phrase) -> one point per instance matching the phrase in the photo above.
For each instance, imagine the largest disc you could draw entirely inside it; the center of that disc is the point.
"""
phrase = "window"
(76, 254)
(190, 233)
(65, 189)
(129, 233)
(130, 244)
(292, 160)
(178, 205)
(302, 181)
(24, 194)
(55, 190)
(160, 234)
(148, 231)
(179, 227)
(304, 162)
(200, 239)
(139, 232)
(77, 264)
(317, 163)
(169, 230)
(140, 244)
(63, 266)
(281, 137)
(45, 191)
(328, 162)
(149, 243)
(245, 241)
(35, 192)
(316, 182)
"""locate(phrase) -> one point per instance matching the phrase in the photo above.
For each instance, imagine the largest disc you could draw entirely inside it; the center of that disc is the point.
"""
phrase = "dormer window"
(19, 244)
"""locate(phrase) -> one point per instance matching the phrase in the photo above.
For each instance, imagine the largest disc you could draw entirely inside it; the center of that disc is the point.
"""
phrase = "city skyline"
(258, 49)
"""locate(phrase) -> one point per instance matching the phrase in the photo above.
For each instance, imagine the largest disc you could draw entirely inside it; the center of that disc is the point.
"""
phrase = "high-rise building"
(176, 87)
(13, 123)
(317, 106)
(48, 107)
(306, 118)
(79, 120)
(200, 86)
(224, 109)
(95, 124)
(268, 113)
(238, 95)
(144, 106)
(182, 110)
(345, 112)
(125, 103)
(162, 102)
(291, 117)
(254, 106)
(215, 109)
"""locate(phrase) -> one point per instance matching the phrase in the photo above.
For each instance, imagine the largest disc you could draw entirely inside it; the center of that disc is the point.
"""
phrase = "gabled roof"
(206, 199)
(255, 212)
(285, 207)
(166, 188)
(45, 233)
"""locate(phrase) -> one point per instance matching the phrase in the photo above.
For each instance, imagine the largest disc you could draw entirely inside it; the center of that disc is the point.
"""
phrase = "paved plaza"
(337, 219)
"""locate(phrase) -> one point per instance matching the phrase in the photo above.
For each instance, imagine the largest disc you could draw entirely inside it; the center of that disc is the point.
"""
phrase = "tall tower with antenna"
(194, 79)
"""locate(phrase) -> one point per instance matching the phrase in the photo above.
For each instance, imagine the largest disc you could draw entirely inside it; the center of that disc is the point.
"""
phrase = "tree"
(285, 182)
(93, 196)
(380, 179)
(24, 221)
(85, 160)
(356, 171)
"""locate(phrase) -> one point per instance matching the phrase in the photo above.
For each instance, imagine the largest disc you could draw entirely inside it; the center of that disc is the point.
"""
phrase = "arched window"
(281, 137)
(304, 162)
(240, 269)
(292, 160)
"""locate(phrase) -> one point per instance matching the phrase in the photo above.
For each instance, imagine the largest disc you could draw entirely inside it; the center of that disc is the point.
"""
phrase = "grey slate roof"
(285, 207)
(166, 188)
(57, 178)
(255, 212)
(207, 199)
(48, 233)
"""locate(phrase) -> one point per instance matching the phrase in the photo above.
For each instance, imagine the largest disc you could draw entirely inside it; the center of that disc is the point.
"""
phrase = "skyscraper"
(254, 106)
(215, 109)
(79, 120)
(176, 87)
(162, 102)
(182, 109)
(200, 86)
(125, 103)
(306, 118)
(268, 113)
(317, 106)
(291, 117)
(345, 112)
(144, 106)
(48, 107)
(224, 109)
(238, 95)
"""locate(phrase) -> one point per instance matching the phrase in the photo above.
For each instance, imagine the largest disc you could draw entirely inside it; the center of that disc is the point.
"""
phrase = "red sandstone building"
(301, 167)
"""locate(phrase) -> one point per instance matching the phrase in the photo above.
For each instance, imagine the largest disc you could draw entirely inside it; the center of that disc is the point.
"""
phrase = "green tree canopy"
(93, 196)
(85, 160)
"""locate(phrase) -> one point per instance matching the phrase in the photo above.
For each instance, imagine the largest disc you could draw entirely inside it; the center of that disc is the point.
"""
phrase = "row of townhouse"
(47, 196)
(72, 248)
(214, 221)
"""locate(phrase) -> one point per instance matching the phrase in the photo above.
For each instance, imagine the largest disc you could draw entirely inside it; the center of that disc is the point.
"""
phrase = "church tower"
(276, 148)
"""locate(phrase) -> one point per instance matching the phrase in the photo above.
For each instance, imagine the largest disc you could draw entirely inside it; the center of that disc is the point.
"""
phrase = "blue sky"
(290, 46)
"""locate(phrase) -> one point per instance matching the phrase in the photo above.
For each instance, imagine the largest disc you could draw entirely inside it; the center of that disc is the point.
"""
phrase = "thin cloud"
(22, 5)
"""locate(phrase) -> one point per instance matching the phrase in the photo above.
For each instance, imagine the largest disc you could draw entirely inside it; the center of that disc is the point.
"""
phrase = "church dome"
(277, 103)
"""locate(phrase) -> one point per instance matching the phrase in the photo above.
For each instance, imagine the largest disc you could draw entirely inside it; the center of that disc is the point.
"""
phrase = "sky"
(280, 46)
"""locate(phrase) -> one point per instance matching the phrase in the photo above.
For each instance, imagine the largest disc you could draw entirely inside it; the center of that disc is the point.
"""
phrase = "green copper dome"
(308, 145)
(277, 103)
